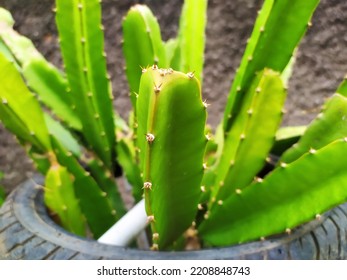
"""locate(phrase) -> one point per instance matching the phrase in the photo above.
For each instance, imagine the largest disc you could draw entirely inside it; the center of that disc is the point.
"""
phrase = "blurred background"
(320, 66)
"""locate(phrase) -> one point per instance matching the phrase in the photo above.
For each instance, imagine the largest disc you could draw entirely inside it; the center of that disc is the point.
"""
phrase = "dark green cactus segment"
(108, 185)
(127, 159)
(191, 38)
(19, 110)
(342, 89)
(285, 138)
(94, 203)
(330, 125)
(248, 144)
(81, 41)
(289, 196)
(60, 198)
(171, 123)
(142, 45)
(277, 32)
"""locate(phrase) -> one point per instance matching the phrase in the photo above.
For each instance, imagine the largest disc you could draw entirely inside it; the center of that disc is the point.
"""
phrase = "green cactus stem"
(95, 203)
(108, 185)
(171, 123)
(189, 54)
(274, 39)
(289, 196)
(41, 76)
(330, 125)
(249, 142)
(127, 159)
(60, 198)
(142, 45)
(16, 103)
(286, 137)
(342, 89)
(81, 41)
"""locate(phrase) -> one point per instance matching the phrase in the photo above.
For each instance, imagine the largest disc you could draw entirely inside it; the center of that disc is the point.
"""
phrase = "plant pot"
(27, 232)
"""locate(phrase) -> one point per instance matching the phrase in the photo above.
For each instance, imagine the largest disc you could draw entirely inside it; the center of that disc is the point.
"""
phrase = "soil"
(320, 67)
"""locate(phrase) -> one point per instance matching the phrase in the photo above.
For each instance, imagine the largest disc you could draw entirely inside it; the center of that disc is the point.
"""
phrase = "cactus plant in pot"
(201, 186)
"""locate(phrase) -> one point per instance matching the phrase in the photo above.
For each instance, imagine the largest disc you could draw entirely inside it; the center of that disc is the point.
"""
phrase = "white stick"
(127, 228)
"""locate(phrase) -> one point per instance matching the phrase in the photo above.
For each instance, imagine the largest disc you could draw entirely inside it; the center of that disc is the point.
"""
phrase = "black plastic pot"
(27, 232)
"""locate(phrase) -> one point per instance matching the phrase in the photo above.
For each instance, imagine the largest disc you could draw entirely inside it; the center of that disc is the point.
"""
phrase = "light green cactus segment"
(42, 77)
(342, 89)
(276, 34)
(52, 89)
(60, 198)
(21, 47)
(19, 110)
(288, 70)
(142, 45)
(62, 135)
(108, 185)
(286, 137)
(287, 197)
(248, 143)
(81, 41)
(6, 19)
(41, 161)
(330, 125)
(191, 36)
(127, 159)
(95, 204)
(7, 54)
(171, 118)
(170, 49)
